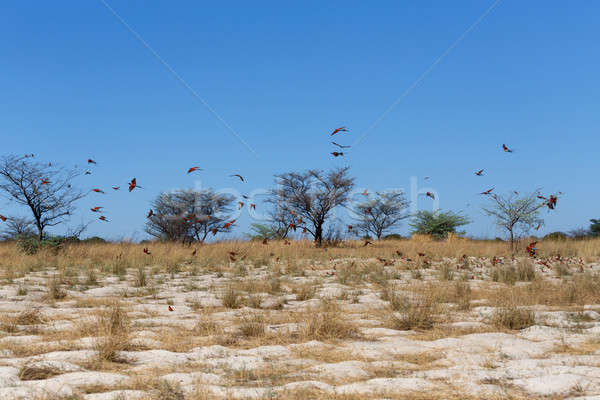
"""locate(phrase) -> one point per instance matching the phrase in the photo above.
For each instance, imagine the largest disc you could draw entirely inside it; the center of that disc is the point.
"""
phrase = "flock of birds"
(188, 219)
(550, 201)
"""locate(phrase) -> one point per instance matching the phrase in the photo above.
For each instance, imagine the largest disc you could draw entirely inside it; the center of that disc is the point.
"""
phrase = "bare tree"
(310, 197)
(187, 215)
(282, 222)
(45, 189)
(17, 227)
(75, 232)
(382, 213)
(515, 214)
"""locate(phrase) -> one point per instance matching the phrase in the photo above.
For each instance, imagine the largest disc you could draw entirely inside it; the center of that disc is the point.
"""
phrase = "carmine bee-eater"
(340, 129)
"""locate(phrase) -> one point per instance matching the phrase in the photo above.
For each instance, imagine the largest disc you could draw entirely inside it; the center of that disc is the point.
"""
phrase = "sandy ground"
(49, 348)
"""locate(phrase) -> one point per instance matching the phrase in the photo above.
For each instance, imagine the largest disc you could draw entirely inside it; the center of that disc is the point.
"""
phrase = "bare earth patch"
(300, 324)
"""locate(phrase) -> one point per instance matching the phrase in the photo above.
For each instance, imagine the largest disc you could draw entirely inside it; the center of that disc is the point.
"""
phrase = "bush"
(393, 236)
(418, 315)
(93, 240)
(438, 224)
(28, 245)
(514, 318)
(556, 236)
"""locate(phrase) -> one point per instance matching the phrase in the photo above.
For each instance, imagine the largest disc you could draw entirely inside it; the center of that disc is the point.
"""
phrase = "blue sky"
(75, 83)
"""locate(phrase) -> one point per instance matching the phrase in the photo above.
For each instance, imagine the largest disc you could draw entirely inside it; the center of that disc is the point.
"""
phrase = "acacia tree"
(187, 215)
(515, 214)
(595, 227)
(382, 213)
(437, 224)
(309, 197)
(17, 227)
(45, 189)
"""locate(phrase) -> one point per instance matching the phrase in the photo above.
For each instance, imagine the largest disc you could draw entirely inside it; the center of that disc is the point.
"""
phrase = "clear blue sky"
(75, 83)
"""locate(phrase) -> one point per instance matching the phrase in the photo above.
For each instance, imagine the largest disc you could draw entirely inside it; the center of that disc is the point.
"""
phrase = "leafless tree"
(382, 213)
(311, 196)
(515, 214)
(281, 222)
(187, 215)
(17, 227)
(76, 231)
(47, 190)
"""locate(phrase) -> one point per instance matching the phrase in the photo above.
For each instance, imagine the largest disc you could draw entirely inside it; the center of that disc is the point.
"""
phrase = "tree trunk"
(318, 235)
(40, 231)
(512, 241)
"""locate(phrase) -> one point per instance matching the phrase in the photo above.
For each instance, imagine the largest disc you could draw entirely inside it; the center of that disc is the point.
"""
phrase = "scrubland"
(398, 319)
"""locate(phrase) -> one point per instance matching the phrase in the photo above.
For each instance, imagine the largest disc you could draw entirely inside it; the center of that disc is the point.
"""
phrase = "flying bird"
(88, 172)
(479, 173)
(133, 185)
(550, 201)
(116, 187)
(364, 193)
(337, 154)
(150, 213)
(429, 194)
(367, 243)
(340, 146)
(96, 209)
(45, 181)
(90, 161)
(146, 251)
(171, 308)
(239, 176)
(489, 191)
(3, 218)
(228, 224)
(194, 252)
(506, 149)
(103, 218)
(97, 190)
(193, 169)
(214, 231)
(341, 129)
(349, 228)
(240, 204)
(253, 206)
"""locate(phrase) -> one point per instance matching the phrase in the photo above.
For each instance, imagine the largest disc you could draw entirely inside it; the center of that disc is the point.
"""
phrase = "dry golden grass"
(113, 333)
(117, 257)
(32, 373)
(327, 323)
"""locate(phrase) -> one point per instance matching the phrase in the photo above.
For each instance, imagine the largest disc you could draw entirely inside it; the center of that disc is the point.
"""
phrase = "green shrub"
(556, 236)
(393, 236)
(28, 245)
